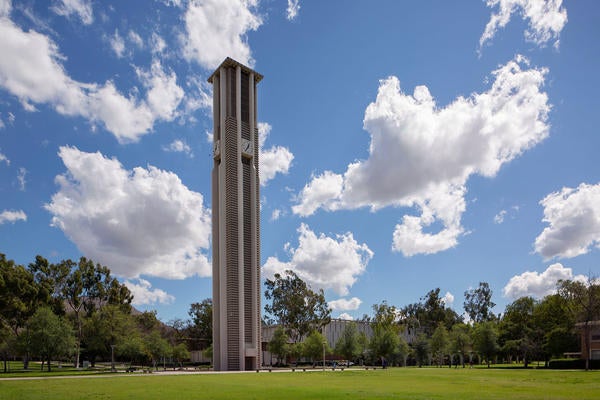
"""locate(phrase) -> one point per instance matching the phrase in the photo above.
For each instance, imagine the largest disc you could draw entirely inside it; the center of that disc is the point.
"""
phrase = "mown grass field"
(399, 383)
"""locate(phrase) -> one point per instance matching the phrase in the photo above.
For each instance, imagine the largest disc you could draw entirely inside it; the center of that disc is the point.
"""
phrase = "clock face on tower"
(247, 148)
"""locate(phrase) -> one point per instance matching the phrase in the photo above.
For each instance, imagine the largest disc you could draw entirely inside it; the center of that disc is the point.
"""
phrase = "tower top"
(230, 62)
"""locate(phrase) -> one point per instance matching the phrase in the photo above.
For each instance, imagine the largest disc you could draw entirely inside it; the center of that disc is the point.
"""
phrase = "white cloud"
(422, 155)
(538, 285)
(293, 6)
(12, 216)
(21, 178)
(573, 216)
(3, 158)
(274, 160)
(137, 222)
(499, 218)
(158, 43)
(346, 316)
(143, 293)
(81, 8)
(324, 262)
(276, 214)
(117, 43)
(164, 95)
(322, 191)
(546, 19)
(448, 299)
(135, 39)
(31, 69)
(345, 304)
(216, 29)
(179, 146)
(5, 8)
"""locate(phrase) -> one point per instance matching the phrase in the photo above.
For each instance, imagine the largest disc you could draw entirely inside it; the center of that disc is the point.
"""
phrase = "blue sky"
(405, 145)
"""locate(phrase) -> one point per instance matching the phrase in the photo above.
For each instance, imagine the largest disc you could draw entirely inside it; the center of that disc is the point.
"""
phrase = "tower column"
(236, 219)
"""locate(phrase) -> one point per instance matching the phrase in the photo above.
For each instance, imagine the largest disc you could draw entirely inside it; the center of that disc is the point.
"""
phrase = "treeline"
(78, 311)
(428, 332)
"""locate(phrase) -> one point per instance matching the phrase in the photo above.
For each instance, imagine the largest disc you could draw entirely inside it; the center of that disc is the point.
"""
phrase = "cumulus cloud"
(448, 299)
(422, 155)
(274, 160)
(143, 293)
(322, 261)
(538, 285)
(546, 19)
(137, 222)
(293, 6)
(345, 304)
(5, 8)
(178, 146)
(12, 216)
(573, 218)
(323, 191)
(164, 95)
(80, 8)
(216, 29)
(31, 69)
(346, 316)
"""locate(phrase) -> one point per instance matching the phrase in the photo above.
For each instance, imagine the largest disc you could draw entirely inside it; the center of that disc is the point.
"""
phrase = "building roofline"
(230, 62)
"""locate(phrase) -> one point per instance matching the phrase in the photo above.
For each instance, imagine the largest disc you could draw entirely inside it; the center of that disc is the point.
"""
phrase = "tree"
(421, 349)
(131, 348)
(51, 280)
(295, 306)
(584, 303)
(180, 352)
(428, 313)
(279, 345)
(201, 327)
(440, 343)
(106, 328)
(478, 303)
(18, 294)
(385, 340)
(518, 331)
(347, 345)
(315, 346)
(156, 347)
(50, 336)
(555, 323)
(87, 289)
(485, 340)
(18, 299)
(403, 350)
(460, 341)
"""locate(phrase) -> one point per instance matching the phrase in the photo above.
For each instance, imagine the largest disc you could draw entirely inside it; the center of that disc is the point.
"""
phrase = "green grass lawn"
(400, 383)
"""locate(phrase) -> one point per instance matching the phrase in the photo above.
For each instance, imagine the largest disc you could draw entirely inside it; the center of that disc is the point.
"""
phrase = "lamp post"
(112, 358)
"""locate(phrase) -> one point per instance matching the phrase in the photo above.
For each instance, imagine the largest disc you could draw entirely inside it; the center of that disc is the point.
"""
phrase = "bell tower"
(235, 219)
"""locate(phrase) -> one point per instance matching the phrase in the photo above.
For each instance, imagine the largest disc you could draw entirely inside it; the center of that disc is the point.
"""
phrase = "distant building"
(594, 339)
(235, 219)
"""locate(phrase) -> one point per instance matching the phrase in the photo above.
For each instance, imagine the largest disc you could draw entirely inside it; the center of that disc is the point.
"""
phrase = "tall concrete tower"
(235, 219)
